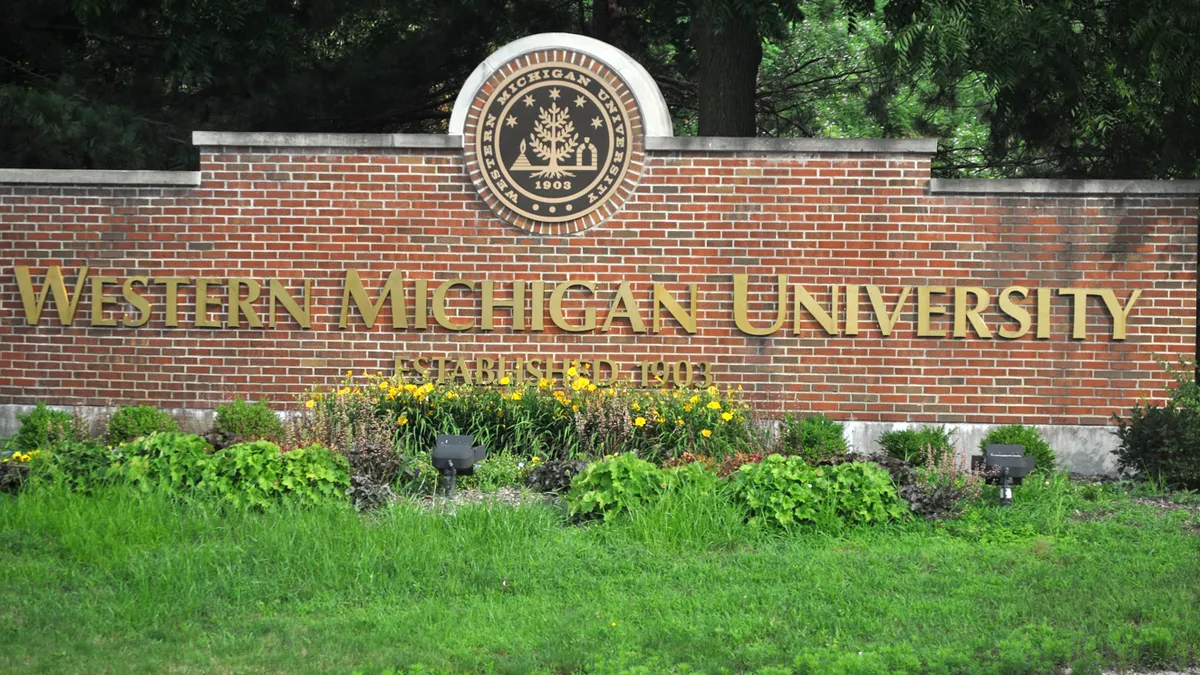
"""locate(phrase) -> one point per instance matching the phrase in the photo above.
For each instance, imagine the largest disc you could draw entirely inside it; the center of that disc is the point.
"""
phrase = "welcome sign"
(560, 221)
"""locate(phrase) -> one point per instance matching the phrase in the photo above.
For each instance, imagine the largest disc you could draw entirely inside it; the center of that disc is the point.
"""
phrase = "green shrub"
(258, 474)
(784, 491)
(912, 445)
(78, 466)
(496, 471)
(169, 461)
(130, 422)
(815, 438)
(1029, 437)
(1161, 443)
(240, 422)
(41, 427)
(613, 485)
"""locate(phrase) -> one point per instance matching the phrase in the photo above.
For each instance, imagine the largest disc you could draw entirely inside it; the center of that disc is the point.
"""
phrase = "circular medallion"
(553, 142)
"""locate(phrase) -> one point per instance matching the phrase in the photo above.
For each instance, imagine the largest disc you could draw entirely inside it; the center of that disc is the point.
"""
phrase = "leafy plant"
(614, 485)
(1029, 437)
(78, 466)
(815, 438)
(689, 458)
(555, 476)
(42, 427)
(258, 474)
(785, 491)
(130, 422)
(911, 445)
(170, 461)
(239, 421)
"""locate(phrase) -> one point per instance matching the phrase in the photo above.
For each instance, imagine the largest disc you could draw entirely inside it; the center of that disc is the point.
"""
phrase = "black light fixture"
(456, 455)
(1005, 465)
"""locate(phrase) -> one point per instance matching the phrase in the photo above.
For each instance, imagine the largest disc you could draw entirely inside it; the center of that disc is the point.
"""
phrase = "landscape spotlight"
(454, 455)
(1005, 465)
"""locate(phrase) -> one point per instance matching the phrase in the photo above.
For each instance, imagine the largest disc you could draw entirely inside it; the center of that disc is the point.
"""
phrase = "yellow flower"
(687, 408)
(310, 404)
(679, 421)
(575, 408)
(712, 390)
(639, 422)
(364, 373)
(591, 388)
(611, 391)
(694, 399)
(572, 372)
(726, 416)
(636, 406)
(614, 623)
(504, 381)
(713, 405)
(349, 373)
(383, 384)
(660, 420)
(706, 432)
(516, 396)
(580, 384)
(536, 459)
(402, 421)
(545, 383)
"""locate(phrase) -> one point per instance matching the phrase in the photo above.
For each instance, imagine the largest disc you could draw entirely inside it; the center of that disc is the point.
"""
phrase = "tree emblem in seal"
(553, 142)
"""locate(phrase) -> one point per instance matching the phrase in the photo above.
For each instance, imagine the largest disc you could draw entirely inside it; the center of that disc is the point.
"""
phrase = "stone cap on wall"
(98, 177)
(1061, 186)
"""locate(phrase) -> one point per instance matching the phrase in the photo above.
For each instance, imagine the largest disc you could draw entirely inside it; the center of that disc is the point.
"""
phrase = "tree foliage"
(1095, 88)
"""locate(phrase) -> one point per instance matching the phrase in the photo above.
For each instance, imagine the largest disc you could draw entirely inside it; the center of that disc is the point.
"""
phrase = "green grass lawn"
(117, 582)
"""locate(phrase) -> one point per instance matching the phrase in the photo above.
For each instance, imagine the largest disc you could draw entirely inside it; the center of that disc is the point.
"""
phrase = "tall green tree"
(1078, 88)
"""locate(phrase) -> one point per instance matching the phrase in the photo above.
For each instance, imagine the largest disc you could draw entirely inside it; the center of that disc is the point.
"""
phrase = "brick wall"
(824, 219)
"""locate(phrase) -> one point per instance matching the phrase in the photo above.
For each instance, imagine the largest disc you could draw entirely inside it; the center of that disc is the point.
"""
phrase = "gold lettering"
(828, 321)
(517, 303)
(556, 310)
(1015, 311)
(277, 292)
(624, 307)
(1043, 314)
(537, 302)
(1079, 298)
(439, 305)
(851, 310)
(421, 306)
(925, 311)
(172, 295)
(202, 302)
(741, 305)
(54, 285)
(886, 322)
(1119, 314)
(663, 298)
(137, 300)
(238, 306)
(963, 313)
(353, 289)
(99, 299)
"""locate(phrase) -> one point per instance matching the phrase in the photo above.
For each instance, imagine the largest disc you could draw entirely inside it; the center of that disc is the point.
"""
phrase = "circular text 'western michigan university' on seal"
(554, 142)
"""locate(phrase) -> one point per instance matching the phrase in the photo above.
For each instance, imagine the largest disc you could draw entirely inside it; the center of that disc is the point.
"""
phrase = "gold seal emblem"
(554, 143)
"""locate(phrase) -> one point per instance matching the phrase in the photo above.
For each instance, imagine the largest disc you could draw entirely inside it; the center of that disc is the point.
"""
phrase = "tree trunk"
(729, 53)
